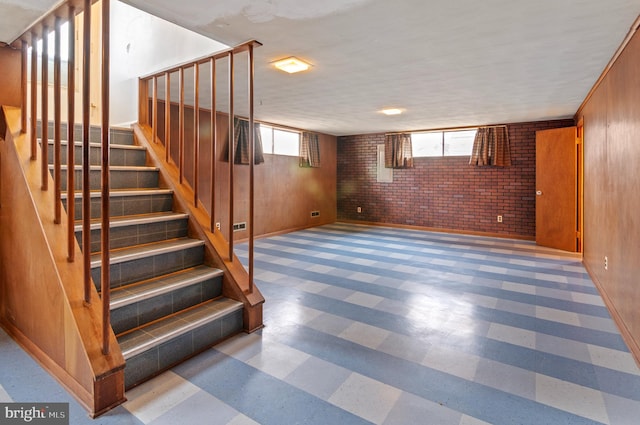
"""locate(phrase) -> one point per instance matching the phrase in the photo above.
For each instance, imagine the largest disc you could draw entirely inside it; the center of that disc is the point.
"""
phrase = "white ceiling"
(447, 63)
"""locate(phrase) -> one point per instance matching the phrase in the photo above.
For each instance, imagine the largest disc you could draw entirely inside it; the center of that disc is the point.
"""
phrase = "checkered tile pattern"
(393, 326)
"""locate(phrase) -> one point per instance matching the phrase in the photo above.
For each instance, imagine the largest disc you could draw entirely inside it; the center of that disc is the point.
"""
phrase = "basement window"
(276, 141)
(442, 143)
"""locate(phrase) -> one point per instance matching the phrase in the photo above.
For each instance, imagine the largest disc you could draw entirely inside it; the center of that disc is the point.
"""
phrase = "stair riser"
(153, 266)
(119, 179)
(138, 234)
(143, 312)
(150, 363)
(120, 206)
(118, 136)
(117, 156)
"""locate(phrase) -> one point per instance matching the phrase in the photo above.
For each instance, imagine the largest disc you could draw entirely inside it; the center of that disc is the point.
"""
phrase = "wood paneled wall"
(611, 119)
(41, 295)
(10, 77)
(285, 194)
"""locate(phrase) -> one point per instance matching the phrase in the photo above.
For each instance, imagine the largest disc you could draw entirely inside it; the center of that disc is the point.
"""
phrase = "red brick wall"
(445, 192)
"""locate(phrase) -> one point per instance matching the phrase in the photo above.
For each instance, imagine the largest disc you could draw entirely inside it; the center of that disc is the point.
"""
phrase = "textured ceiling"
(447, 63)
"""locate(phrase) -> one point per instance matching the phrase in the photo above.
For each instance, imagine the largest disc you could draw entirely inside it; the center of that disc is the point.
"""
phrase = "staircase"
(166, 303)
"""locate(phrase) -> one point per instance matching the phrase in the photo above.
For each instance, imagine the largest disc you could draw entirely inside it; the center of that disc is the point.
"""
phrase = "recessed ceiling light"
(291, 65)
(391, 111)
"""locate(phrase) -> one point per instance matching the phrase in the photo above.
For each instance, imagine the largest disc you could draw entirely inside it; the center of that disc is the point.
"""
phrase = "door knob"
(538, 192)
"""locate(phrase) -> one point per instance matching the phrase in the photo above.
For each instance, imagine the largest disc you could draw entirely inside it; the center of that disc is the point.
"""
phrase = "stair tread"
(97, 145)
(160, 285)
(112, 167)
(131, 220)
(147, 250)
(156, 333)
(123, 192)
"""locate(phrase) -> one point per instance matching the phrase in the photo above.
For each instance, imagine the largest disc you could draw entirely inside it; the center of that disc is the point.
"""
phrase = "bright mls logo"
(34, 413)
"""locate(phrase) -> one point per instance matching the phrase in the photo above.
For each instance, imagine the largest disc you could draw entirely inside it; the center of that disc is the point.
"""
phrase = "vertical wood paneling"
(611, 119)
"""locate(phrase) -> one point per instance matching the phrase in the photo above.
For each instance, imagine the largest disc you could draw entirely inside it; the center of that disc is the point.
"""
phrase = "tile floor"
(390, 326)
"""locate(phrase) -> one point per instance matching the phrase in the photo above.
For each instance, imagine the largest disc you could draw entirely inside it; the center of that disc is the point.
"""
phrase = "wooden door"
(556, 188)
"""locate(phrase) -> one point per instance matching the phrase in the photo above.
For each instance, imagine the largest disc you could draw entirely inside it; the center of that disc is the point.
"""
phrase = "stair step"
(140, 262)
(137, 229)
(158, 346)
(124, 202)
(161, 285)
(121, 177)
(148, 250)
(118, 135)
(126, 155)
(143, 302)
(125, 221)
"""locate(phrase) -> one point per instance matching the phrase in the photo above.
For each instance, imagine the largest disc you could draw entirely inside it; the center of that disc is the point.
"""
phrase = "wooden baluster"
(167, 116)
(105, 270)
(196, 131)
(34, 96)
(154, 111)
(71, 157)
(181, 126)
(251, 166)
(57, 172)
(44, 86)
(86, 193)
(232, 142)
(23, 86)
(214, 144)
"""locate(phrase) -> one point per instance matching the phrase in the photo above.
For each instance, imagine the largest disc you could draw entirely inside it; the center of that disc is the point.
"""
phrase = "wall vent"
(239, 226)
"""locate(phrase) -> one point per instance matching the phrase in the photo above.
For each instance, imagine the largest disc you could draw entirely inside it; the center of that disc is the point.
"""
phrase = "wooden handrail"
(184, 128)
(222, 54)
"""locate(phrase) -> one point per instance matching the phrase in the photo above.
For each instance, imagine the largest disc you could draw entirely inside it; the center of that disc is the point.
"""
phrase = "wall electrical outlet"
(606, 262)
(359, 209)
(315, 213)
(218, 225)
(499, 219)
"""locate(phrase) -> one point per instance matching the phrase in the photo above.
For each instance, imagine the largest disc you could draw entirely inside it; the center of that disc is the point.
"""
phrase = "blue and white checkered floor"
(392, 326)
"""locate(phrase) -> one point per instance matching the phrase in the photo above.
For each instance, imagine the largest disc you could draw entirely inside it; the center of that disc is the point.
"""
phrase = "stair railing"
(149, 106)
(66, 12)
